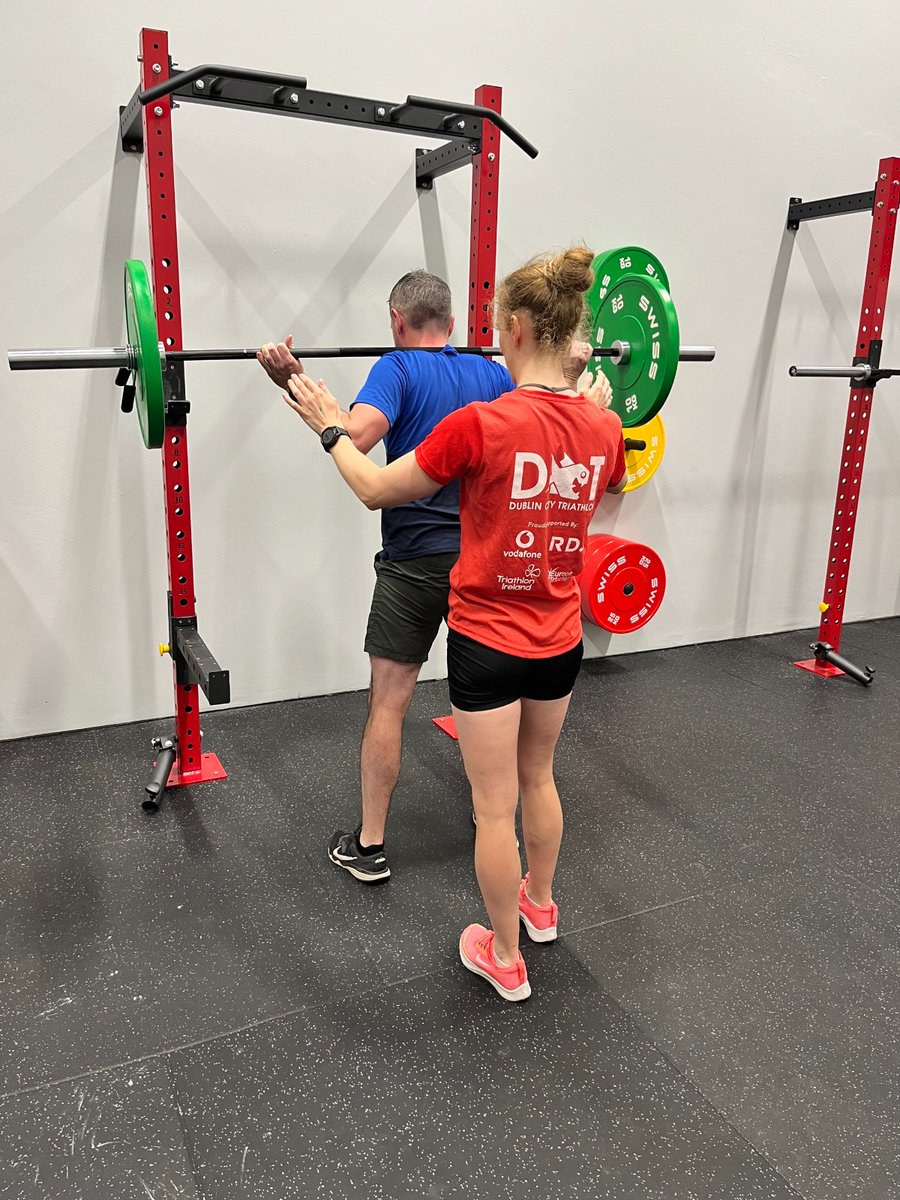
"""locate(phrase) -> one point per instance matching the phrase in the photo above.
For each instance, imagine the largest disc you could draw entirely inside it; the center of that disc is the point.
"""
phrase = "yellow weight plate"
(642, 465)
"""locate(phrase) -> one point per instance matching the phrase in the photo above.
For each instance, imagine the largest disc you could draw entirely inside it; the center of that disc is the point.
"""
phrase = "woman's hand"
(314, 403)
(598, 391)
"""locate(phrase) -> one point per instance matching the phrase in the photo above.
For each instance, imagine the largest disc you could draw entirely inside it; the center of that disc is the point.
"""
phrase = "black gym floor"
(197, 1004)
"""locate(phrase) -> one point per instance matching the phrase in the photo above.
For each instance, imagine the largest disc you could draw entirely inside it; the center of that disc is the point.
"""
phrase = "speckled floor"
(197, 1004)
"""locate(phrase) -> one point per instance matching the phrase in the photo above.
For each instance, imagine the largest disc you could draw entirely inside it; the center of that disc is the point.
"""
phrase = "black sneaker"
(344, 852)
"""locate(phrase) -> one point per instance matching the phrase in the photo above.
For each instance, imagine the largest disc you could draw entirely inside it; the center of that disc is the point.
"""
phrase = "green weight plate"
(140, 323)
(640, 312)
(613, 265)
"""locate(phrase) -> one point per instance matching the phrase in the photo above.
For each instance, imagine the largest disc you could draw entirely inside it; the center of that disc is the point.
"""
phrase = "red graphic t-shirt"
(533, 466)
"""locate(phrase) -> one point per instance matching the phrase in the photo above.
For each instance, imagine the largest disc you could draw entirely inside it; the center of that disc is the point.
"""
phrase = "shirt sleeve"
(504, 381)
(385, 387)
(455, 447)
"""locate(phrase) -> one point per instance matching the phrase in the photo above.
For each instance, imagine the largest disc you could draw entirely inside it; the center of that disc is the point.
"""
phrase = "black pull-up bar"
(471, 110)
(179, 78)
(218, 76)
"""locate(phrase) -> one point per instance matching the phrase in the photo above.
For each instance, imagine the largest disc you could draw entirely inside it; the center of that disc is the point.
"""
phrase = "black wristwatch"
(330, 436)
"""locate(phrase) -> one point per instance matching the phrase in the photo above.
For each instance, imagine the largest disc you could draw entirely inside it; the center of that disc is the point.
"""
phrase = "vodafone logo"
(524, 543)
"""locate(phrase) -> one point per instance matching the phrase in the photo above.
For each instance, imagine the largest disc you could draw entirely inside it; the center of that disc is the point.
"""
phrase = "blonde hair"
(550, 290)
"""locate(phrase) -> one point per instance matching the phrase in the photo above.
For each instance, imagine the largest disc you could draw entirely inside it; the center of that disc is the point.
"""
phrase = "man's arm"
(366, 425)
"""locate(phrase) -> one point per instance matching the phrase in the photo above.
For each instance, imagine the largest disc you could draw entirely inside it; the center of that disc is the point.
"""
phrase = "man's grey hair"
(422, 299)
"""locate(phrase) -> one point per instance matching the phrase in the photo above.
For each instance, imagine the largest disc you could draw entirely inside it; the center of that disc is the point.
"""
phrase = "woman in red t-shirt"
(533, 465)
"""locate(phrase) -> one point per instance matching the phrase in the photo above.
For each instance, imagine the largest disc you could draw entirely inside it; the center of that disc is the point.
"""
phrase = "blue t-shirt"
(415, 389)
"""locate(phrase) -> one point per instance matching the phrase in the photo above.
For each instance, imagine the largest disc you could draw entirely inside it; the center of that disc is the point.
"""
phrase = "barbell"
(639, 350)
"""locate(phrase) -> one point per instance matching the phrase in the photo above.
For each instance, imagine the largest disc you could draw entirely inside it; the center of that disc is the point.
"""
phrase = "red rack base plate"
(826, 670)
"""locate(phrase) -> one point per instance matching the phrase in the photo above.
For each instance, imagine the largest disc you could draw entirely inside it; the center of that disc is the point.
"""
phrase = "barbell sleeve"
(860, 372)
(697, 353)
(52, 359)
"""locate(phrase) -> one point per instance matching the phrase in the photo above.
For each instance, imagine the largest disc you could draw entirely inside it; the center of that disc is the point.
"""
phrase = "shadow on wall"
(748, 464)
(29, 217)
(824, 437)
(46, 666)
(99, 511)
(93, 449)
(833, 307)
(243, 271)
(436, 254)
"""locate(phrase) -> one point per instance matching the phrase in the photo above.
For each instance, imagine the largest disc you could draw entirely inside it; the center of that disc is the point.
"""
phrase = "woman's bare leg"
(489, 744)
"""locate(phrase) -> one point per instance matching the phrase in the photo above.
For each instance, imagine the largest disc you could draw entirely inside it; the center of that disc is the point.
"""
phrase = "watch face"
(330, 436)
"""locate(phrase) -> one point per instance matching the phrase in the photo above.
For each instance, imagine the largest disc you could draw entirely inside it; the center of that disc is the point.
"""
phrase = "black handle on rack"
(180, 78)
(470, 110)
(827, 654)
(162, 768)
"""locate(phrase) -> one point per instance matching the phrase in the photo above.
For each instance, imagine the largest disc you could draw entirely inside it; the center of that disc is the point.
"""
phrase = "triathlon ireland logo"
(520, 583)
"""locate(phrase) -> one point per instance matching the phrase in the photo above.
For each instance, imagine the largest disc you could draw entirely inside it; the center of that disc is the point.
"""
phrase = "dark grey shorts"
(410, 600)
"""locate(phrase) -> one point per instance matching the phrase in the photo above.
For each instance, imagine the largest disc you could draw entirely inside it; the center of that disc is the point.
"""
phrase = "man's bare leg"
(390, 694)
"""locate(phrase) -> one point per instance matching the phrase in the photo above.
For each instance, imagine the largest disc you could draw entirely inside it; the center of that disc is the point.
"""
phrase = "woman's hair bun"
(571, 270)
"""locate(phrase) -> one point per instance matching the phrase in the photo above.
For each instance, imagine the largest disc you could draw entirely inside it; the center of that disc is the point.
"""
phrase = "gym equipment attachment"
(622, 584)
(863, 373)
(642, 354)
(832, 663)
(631, 309)
(645, 446)
(140, 325)
(860, 372)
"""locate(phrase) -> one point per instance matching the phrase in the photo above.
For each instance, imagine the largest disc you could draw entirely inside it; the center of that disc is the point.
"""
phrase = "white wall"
(684, 128)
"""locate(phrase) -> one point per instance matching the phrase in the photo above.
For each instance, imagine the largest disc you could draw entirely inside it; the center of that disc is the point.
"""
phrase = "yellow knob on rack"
(163, 649)
(823, 607)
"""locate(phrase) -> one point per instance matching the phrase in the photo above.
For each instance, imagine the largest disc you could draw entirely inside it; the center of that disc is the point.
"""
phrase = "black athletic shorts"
(482, 678)
(410, 600)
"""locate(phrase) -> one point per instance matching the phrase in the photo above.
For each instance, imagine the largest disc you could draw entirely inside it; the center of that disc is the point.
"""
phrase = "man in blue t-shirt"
(405, 395)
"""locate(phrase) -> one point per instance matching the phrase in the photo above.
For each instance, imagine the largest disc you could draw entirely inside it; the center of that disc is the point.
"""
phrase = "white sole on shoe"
(522, 992)
(362, 876)
(538, 935)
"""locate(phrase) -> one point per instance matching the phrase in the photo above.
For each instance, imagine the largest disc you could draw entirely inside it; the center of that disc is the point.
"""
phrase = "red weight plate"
(622, 584)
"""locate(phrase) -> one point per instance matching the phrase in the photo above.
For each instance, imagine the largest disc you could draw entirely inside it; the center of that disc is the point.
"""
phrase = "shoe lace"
(484, 945)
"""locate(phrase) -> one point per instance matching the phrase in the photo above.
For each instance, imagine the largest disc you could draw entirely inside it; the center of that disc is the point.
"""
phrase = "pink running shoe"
(476, 949)
(540, 923)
